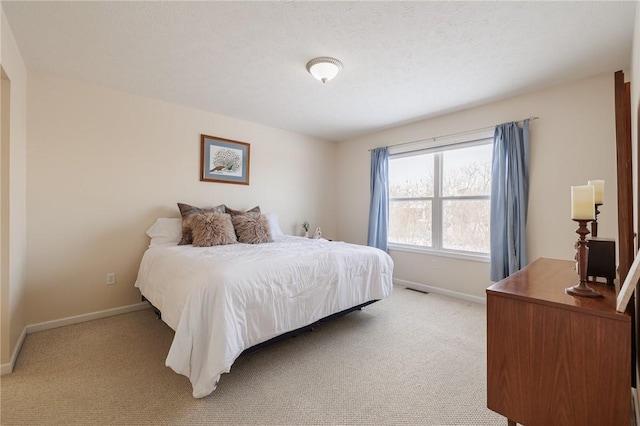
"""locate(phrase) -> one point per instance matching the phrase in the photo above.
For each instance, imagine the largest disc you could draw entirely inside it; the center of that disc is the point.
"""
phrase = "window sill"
(441, 253)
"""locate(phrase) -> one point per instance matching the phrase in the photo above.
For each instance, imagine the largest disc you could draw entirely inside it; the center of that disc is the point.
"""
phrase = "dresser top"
(544, 282)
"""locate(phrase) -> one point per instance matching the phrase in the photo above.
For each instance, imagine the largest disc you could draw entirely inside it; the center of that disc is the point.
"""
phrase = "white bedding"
(222, 300)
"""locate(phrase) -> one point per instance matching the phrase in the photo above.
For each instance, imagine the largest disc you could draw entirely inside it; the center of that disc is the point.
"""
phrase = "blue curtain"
(379, 207)
(509, 199)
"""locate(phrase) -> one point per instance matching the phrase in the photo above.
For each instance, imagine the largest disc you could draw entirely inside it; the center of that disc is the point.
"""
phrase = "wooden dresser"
(555, 359)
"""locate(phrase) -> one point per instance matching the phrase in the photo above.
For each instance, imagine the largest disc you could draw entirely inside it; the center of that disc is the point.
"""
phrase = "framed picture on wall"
(224, 160)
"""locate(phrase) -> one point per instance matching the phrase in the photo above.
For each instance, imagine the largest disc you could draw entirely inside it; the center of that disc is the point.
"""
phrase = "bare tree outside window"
(467, 172)
(411, 186)
(465, 225)
(410, 222)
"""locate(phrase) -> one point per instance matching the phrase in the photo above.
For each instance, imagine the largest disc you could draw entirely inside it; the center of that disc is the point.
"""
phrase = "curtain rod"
(453, 134)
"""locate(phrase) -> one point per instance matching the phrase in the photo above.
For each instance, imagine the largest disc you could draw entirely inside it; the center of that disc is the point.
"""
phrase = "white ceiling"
(403, 61)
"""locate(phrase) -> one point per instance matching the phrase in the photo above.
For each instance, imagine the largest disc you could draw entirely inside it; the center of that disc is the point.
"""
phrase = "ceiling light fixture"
(323, 68)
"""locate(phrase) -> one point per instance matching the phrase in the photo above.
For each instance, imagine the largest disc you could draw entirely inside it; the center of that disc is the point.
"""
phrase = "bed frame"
(288, 334)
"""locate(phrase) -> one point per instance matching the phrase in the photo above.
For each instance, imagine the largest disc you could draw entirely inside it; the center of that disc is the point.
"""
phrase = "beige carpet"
(413, 359)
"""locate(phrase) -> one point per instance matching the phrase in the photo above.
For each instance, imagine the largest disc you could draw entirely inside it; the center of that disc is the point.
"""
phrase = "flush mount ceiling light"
(324, 69)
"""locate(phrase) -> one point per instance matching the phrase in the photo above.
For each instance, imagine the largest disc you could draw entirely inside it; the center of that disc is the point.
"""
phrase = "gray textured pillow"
(187, 211)
(252, 228)
(233, 212)
(212, 229)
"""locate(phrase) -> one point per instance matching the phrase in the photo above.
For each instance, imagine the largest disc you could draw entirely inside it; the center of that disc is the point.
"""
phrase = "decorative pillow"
(187, 211)
(232, 212)
(165, 230)
(274, 225)
(252, 228)
(212, 229)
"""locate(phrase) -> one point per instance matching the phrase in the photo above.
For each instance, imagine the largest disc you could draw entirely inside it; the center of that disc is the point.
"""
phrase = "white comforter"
(222, 300)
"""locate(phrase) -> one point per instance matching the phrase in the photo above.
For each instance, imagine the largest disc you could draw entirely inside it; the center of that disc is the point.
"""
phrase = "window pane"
(410, 222)
(467, 171)
(411, 176)
(465, 225)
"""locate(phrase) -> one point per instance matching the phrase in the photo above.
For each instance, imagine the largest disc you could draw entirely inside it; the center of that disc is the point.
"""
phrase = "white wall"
(573, 142)
(13, 217)
(104, 164)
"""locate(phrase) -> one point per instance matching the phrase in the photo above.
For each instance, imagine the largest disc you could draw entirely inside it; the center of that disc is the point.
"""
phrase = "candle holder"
(581, 289)
(594, 222)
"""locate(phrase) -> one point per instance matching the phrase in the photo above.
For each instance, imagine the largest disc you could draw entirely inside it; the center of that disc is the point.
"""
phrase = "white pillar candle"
(598, 186)
(583, 202)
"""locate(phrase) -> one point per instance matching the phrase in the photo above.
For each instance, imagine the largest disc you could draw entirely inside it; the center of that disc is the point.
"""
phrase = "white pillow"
(274, 226)
(165, 230)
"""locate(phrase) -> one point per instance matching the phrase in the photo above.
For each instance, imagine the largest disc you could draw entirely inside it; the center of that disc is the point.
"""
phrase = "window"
(439, 198)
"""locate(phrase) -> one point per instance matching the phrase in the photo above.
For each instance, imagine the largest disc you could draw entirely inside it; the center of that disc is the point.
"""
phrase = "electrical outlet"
(432, 263)
(111, 278)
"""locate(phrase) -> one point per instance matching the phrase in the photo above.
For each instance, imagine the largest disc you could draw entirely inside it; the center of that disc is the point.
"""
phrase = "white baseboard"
(8, 368)
(438, 290)
(47, 325)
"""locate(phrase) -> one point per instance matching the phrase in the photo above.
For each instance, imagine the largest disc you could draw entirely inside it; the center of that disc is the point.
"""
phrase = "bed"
(223, 300)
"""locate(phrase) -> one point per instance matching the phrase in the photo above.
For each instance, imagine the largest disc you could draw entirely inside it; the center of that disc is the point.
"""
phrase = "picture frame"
(629, 285)
(224, 160)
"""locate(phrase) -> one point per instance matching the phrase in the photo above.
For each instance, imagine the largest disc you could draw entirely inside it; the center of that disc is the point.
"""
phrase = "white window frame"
(438, 147)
